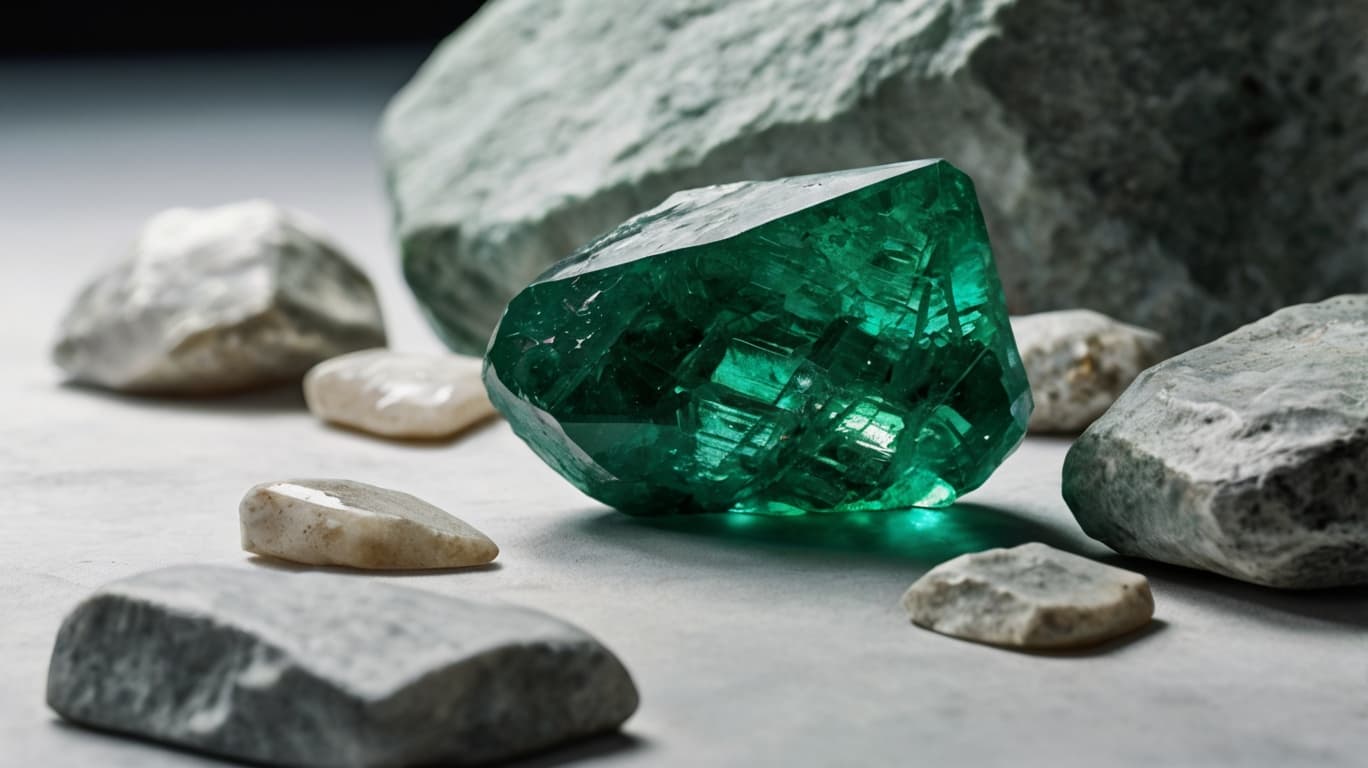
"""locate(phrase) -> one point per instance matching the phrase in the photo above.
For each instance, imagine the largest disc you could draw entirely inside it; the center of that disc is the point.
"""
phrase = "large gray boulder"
(328, 670)
(1247, 456)
(1183, 166)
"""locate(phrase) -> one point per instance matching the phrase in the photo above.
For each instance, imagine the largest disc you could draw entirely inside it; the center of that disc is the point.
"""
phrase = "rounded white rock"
(1031, 596)
(399, 395)
(343, 522)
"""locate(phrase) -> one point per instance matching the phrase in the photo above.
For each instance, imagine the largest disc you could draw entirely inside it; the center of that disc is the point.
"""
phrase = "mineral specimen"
(217, 300)
(822, 343)
(1078, 363)
(403, 396)
(1155, 161)
(343, 522)
(1247, 456)
(1031, 596)
(320, 670)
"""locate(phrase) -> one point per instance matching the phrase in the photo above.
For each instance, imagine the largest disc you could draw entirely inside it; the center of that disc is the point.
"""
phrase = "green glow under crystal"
(823, 343)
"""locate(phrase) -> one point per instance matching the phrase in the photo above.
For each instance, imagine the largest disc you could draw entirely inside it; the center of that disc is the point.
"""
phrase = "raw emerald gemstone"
(824, 343)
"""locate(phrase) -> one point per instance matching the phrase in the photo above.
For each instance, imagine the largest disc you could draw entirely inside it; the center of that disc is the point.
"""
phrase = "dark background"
(56, 29)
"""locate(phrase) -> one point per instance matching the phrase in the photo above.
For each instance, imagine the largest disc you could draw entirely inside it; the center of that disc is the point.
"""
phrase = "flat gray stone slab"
(325, 670)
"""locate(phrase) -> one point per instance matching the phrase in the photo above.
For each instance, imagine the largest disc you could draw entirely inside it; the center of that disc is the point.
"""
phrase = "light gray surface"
(754, 642)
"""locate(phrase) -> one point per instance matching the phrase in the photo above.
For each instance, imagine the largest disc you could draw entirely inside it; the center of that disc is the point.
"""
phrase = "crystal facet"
(823, 343)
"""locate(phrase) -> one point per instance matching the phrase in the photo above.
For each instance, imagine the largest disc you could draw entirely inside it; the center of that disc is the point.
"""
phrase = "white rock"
(399, 395)
(1078, 363)
(342, 522)
(1031, 596)
(216, 300)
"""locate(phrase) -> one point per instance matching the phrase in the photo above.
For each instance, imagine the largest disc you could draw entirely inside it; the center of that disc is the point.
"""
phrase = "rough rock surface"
(1247, 456)
(1160, 178)
(1078, 363)
(343, 522)
(329, 670)
(1031, 596)
(219, 299)
(399, 395)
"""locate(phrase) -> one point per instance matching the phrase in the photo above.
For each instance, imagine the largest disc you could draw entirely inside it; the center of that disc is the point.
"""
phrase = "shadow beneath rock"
(1346, 606)
(190, 754)
(926, 536)
(1154, 627)
(588, 749)
(419, 443)
(284, 398)
(273, 564)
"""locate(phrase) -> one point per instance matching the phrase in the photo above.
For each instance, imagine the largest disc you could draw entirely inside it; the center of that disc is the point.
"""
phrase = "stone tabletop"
(754, 641)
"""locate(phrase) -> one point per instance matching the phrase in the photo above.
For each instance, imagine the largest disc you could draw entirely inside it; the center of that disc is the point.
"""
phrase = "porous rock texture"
(1158, 162)
(329, 671)
(216, 300)
(1031, 596)
(1247, 456)
(1078, 362)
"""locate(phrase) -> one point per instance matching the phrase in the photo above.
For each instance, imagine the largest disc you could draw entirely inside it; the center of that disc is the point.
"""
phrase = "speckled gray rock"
(1031, 596)
(219, 299)
(328, 670)
(1247, 456)
(1162, 179)
(1078, 363)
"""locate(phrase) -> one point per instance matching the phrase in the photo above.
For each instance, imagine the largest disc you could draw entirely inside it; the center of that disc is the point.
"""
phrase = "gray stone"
(216, 300)
(1078, 363)
(328, 670)
(1247, 456)
(1031, 596)
(343, 522)
(1161, 179)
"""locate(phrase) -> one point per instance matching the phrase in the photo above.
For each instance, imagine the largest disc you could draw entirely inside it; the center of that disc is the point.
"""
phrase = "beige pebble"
(1031, 596)
(342, 522)
(1078, 363)
(399, 395)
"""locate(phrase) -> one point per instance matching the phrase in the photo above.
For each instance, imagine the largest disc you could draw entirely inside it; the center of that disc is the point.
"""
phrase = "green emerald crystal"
(824, 343)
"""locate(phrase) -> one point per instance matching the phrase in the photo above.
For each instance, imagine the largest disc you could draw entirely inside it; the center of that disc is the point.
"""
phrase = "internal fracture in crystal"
(824, 343)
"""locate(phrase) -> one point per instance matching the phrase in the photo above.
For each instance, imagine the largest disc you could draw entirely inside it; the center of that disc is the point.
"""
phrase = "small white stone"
(343, 522)
(1031, 596)
(216, 300)
(1078, 363)
(399, 395)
